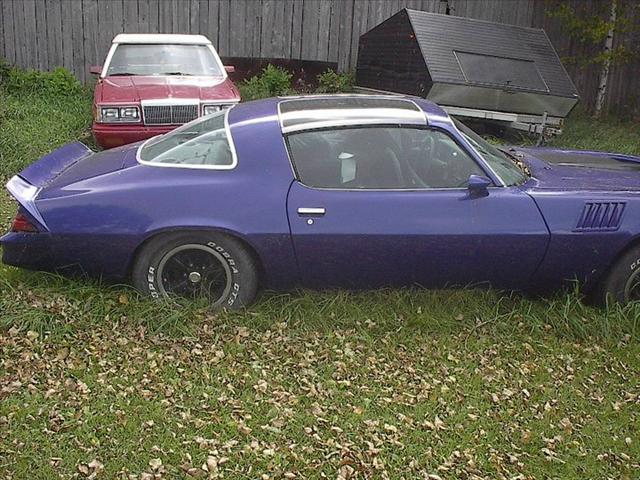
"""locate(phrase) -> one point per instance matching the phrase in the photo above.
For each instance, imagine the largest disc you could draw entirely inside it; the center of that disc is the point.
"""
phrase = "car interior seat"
(315, 161)
(377, 166)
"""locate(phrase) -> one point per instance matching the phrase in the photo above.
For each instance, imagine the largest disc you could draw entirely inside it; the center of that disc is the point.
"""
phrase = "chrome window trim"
(232, 147)
(416, 190)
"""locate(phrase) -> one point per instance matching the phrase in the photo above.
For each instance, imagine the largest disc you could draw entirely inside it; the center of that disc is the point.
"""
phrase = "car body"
(152, 83)
(335, 191)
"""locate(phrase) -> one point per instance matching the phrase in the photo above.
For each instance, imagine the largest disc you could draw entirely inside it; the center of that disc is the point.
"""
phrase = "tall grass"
(609, 135)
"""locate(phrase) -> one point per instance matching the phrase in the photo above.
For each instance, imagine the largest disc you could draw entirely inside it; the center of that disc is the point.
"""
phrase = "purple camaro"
(330, 191)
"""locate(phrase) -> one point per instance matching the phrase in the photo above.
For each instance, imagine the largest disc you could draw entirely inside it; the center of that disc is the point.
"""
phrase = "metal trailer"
(472, 68)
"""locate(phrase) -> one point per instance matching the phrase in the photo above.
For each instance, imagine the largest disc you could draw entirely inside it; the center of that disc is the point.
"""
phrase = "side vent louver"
(600, 216)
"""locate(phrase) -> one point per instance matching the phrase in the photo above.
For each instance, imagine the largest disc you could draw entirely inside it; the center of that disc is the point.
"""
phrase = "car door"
(378, 206)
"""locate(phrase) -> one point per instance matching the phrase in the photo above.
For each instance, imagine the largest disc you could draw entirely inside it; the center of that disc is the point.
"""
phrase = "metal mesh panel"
(169, 114)
(183, 113)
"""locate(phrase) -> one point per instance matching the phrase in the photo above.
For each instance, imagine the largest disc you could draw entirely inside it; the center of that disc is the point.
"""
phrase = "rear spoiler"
(26, 186)
(53, 164)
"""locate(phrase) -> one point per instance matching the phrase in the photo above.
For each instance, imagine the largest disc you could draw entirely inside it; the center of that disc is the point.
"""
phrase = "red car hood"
(136, 88)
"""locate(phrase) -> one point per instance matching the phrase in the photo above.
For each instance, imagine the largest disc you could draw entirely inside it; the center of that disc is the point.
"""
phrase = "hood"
(135, 88)
(556, 169)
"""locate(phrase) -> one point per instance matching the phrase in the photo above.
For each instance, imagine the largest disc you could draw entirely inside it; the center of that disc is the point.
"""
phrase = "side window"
(380, 158)
(435, 160)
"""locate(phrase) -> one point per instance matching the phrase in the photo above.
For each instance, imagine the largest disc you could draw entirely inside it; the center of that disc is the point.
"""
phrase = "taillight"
(22, 224)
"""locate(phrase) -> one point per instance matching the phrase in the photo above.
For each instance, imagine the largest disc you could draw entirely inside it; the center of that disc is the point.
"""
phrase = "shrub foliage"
(59, 82)
(273, 81)
(332, 82)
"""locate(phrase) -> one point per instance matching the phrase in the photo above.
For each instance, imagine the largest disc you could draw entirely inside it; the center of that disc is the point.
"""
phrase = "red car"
(151, 83)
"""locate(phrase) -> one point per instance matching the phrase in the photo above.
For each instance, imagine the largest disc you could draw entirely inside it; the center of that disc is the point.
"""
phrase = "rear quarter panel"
(99, 222)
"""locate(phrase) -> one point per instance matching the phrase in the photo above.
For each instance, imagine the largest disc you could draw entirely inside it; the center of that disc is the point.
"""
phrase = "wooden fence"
(43, 34)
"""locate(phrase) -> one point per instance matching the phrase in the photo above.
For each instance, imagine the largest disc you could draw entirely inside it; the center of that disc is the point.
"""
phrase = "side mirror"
(95, 69)
(478, 185)
(230, 68)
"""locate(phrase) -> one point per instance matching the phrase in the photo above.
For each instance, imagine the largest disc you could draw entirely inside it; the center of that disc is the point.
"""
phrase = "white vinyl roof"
(312, 112)
(161, 38)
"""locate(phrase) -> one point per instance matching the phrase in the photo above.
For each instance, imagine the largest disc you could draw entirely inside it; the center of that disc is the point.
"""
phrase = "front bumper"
(114, 135)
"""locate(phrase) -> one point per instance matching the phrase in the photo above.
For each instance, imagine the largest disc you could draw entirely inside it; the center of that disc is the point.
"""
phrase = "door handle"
(311, 211)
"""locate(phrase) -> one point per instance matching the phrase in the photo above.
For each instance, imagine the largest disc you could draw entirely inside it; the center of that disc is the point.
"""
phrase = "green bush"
(273, 81)
(332, 82)
(60, 82)
(4, 71)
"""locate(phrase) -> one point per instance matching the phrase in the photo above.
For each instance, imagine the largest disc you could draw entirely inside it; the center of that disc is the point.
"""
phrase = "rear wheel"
(622, 284)
(196, 265)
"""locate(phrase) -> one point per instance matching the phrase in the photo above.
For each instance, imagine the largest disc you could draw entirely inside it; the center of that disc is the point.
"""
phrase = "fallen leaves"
(273, 402)
(90, 470)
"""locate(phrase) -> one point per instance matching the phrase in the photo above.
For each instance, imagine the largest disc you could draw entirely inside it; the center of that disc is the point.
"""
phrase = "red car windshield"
(163, 59)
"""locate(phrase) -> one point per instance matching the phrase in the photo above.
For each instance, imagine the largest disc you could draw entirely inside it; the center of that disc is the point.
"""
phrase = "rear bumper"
(108, 136)
(27, 250)
(103, 256)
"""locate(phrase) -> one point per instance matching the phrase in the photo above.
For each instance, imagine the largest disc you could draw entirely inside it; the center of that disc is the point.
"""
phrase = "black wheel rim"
(632, 288)
(194, 271)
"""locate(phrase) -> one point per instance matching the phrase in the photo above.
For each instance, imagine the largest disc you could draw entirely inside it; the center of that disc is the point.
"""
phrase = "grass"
(610, 135)
(98, 382)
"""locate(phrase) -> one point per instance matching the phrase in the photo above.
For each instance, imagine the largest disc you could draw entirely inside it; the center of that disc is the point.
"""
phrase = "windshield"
(204, 143)
(507, 169)
(159, 59)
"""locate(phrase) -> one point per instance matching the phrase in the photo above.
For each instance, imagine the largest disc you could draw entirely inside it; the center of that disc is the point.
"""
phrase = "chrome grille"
(169, 114)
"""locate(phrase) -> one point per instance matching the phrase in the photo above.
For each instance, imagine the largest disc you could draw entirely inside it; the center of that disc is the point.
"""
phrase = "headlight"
(209, 109)
(119, 114)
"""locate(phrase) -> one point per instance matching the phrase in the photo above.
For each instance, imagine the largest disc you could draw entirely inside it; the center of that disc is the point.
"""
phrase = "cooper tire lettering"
(151, 275)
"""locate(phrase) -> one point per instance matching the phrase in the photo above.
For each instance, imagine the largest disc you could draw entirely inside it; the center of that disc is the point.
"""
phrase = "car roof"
(309, 112)
(161, 38)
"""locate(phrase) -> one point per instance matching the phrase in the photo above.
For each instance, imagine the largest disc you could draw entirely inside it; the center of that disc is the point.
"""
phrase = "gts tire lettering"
(635, 264)
(233, 294)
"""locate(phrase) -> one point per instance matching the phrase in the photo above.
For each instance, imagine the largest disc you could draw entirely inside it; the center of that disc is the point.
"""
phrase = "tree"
(598, 30)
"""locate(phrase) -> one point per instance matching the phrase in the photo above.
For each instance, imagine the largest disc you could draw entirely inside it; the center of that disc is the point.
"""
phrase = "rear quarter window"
(203, 143)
